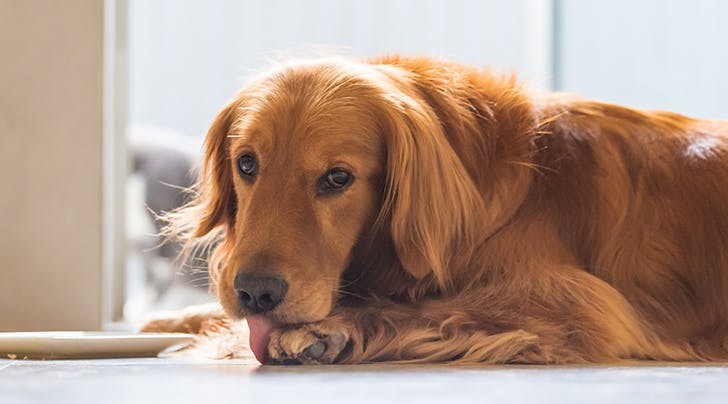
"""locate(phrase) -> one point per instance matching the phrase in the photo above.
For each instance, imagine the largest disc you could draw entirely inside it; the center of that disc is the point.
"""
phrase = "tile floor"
(175, 380)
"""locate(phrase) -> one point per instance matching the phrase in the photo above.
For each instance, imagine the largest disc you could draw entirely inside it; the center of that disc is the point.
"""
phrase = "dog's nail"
(315, 350)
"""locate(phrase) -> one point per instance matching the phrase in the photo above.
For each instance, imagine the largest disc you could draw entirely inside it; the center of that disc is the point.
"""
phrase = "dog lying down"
(413, 210)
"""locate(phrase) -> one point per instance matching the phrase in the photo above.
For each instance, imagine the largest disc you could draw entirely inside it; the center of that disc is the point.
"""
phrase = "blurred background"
(158, 71)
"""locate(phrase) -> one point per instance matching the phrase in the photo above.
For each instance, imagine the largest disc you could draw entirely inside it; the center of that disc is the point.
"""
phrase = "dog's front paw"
(316, 343)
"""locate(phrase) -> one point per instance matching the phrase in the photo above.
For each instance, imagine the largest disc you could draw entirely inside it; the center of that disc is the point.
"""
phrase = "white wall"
(656, 54)
(187, 57)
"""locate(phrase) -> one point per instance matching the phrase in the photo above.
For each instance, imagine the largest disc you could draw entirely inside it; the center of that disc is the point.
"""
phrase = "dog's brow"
(239, 130)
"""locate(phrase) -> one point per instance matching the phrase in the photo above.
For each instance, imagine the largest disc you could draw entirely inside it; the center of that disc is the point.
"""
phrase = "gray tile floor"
(180, 381)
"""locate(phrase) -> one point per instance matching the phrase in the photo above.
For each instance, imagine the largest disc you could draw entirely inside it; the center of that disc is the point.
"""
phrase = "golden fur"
(485, 224)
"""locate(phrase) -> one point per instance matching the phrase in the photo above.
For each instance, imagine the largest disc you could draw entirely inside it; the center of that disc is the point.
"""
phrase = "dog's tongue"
(260, 328)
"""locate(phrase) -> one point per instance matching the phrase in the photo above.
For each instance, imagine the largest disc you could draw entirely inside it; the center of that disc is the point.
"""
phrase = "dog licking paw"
(310, 344)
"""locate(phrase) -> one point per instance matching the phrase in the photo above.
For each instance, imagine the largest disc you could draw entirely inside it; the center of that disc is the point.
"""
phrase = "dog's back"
(642, 198)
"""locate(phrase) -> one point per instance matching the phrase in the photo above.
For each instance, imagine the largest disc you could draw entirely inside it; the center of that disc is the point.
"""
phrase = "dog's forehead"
(312, 148)
(306, 111)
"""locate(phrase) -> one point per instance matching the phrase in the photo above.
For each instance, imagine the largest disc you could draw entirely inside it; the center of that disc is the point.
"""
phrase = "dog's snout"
(259, 293)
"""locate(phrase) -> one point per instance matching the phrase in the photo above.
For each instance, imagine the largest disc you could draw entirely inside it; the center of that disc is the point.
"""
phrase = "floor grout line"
(7, 365)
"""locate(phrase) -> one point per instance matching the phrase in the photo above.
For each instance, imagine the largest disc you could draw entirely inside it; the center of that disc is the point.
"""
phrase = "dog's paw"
(317, 343)
(188, 320)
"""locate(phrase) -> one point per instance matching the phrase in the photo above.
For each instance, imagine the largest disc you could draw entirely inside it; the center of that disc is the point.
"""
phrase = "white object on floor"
(77, 344)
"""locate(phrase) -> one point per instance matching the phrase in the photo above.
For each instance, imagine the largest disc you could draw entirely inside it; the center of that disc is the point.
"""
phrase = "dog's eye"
(248, 165)
(335, 180)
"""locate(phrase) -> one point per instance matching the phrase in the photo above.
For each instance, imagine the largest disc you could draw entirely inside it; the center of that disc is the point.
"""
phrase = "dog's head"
(307, 166)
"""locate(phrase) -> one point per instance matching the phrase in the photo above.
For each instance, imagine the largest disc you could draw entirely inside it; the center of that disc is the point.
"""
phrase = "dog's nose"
(259, 293)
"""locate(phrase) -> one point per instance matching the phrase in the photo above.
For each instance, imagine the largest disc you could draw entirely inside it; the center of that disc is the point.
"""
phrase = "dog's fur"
(485, 223)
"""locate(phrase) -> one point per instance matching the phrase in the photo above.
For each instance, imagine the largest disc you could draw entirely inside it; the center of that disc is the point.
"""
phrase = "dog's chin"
(284, 317)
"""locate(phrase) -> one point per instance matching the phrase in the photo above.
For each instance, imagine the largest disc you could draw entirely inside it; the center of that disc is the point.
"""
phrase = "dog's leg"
(188, 320)
(393, 333)
(404, 333)
(568, 317)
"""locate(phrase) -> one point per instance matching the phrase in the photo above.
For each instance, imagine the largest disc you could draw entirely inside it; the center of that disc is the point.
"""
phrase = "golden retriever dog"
(414, 210)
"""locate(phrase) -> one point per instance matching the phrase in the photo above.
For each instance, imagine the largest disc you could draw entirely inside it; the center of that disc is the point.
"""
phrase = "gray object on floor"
(182, 381)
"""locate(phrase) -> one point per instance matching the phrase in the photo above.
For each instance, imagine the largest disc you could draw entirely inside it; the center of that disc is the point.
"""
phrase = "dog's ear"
(210, 213)
(430, 201)
(216, 202)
